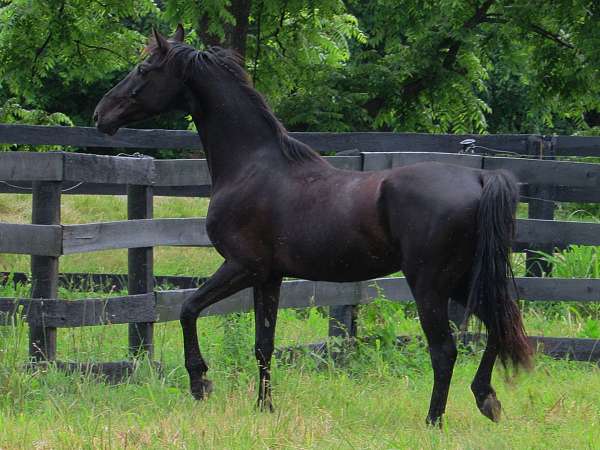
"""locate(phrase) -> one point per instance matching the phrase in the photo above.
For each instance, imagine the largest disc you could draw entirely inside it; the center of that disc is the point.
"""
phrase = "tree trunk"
(235, 34)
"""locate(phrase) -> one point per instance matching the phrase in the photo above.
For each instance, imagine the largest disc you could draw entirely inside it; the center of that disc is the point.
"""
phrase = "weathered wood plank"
(168, 304)
(535, 171)
(301, 294)
(408, 142)
(31, 166)
(559, 289)
(558, 193)
(364, 141)
(557, 233)
(294, 294)
(134, 234)
(577, 146)
(181, 172)
(108, 169)
(181, 139)
(78, 313)
(531, 289)
(381, 161)
(395, 289)
(43, 240)
(576, 349)
(70, 188)
(46, 239)
(91, 137)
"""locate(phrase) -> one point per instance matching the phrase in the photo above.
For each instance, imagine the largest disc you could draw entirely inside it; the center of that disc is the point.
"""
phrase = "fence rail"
(49, 175)
(57, 240)
(164, 306)
(525, 144)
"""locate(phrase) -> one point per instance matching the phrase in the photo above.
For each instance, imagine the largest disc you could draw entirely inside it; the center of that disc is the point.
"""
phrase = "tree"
(403, 65)
(450, 66)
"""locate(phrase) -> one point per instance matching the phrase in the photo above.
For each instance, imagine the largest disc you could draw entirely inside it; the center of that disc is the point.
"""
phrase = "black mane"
(219, 62)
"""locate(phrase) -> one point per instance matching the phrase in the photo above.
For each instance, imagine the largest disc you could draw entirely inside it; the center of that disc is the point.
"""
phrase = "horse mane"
(220, 61)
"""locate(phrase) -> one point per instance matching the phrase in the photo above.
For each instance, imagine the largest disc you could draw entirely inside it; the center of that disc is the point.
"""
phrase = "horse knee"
(188, 312)
(263, 351)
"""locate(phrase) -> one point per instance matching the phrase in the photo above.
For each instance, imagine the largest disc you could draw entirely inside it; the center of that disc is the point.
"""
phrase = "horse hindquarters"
(431, 220)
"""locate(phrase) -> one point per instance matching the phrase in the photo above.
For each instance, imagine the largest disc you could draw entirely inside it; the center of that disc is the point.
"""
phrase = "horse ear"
(179, 34)
(160, 42)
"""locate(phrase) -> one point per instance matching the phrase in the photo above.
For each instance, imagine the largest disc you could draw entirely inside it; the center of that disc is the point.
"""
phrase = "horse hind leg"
(485, 395)
(433, 313)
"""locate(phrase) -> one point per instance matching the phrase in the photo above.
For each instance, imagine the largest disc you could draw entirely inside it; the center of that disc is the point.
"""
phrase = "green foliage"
(66, 41)
(12, 112)
(439, 66)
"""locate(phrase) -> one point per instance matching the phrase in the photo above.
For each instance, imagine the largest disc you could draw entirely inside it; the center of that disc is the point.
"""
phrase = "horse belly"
(337, 255)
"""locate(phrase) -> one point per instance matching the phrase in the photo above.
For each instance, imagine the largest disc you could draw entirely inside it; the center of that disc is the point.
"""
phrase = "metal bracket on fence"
(470, 147)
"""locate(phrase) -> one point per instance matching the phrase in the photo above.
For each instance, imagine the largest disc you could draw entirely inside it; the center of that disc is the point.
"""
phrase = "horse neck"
(233, 130)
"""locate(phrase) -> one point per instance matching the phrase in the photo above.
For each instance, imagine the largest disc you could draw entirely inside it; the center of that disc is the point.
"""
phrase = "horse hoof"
(201, 389)
(434, 422)
(265, 405)
(491, 408)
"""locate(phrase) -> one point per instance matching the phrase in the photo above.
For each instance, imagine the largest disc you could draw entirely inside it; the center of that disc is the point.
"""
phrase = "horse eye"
(134, 93)
(142, 71)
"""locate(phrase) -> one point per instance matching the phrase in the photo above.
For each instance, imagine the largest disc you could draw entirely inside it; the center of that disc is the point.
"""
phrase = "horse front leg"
(266, 302)
(227, 280)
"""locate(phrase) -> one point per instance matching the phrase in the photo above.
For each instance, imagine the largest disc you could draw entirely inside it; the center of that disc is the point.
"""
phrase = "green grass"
(377, 399)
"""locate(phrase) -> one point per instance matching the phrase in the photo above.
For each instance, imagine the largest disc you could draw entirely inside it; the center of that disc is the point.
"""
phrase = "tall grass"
(376, 398)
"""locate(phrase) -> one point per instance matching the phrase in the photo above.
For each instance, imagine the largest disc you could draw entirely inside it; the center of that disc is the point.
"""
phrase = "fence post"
(342, 321)
(140, 268)
(44, 269)
(542, 147)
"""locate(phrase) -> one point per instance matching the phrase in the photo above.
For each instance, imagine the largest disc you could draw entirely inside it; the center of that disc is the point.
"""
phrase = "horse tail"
(491, 296)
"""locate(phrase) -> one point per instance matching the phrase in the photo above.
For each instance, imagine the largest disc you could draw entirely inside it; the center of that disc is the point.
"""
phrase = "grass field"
(377, 398)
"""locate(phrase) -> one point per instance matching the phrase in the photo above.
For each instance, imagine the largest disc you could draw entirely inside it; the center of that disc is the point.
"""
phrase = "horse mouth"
(107, 128)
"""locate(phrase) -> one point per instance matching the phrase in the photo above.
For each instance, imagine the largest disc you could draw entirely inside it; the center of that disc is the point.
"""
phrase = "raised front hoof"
(265, 405)
(434, 422)
(491, 408)
(201, 389)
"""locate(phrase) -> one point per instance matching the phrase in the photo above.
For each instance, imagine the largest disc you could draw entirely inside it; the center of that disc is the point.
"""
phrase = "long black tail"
(491, 295)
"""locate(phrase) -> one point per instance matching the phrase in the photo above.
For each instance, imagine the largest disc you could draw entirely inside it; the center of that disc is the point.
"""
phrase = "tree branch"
(96, 47)
(499, 18)
(41, 49)
(549, 35)
(38, 53)
(275, 34)
(415, 85)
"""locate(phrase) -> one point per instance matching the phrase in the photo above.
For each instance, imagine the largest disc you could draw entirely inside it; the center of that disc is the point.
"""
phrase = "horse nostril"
(95, 118)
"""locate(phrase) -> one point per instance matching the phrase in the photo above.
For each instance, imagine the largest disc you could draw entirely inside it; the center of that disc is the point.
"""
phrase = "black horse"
(279, 209)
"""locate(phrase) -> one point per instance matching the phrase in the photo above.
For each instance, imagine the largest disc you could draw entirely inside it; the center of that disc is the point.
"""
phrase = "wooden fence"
(48, 176)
